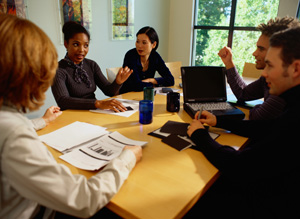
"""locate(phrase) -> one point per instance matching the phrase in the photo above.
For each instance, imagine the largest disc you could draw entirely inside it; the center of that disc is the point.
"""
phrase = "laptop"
(206, 86)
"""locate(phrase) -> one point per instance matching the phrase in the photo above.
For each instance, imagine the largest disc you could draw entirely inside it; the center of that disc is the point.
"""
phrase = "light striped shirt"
(272, 106)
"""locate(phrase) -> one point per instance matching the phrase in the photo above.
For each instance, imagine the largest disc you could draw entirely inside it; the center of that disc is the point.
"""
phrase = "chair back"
(112, 73)
(175, 68)
(250, 71)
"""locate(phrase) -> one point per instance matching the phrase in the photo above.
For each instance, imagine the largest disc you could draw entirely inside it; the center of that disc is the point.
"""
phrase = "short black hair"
(151, 33)
(71, 28)
(288, 41)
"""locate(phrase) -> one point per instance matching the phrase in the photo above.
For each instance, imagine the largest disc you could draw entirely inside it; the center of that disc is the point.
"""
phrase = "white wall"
(172, 19)
(181, 30)
(287, 8)
(103, 50)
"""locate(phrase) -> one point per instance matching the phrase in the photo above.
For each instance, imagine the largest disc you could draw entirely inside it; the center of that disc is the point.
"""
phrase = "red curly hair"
(28, 62)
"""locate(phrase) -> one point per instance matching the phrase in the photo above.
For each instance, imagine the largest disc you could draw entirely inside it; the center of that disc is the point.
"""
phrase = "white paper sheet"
(72, 135)
(98, 153)
(83, 161)
(134, 104)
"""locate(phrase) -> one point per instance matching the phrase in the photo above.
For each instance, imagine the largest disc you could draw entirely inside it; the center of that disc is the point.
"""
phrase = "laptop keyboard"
(211, 106)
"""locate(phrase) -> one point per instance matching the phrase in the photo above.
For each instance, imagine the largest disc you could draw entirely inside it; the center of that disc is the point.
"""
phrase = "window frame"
(231, 28)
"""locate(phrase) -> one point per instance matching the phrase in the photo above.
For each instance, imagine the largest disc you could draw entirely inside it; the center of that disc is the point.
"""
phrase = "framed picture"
(122, 19)
(14, 7)
(79, 11)
(298, 11)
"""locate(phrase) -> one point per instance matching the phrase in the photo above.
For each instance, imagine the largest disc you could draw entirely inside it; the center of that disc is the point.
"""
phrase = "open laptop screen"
(203, 83)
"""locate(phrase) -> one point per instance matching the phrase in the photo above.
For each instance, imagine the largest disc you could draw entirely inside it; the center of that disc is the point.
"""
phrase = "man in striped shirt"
(272, 106)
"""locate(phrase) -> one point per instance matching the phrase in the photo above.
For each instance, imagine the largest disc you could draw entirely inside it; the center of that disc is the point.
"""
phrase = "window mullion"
(231, 23)
(211, 27)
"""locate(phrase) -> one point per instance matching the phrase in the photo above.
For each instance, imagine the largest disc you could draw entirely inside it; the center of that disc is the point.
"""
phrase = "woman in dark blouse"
(145, 61)
(77, 77)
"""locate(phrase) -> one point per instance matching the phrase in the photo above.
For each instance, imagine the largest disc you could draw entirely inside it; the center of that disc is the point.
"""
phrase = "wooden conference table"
(166, 182)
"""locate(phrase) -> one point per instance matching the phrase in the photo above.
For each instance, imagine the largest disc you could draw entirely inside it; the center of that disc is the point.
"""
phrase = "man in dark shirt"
(273, 105)
(261, 180)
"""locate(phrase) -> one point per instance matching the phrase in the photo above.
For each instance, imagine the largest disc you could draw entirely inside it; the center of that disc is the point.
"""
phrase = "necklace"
(145, 65)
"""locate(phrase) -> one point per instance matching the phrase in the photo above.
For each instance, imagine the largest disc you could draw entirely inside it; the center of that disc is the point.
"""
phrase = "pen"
(200, 112)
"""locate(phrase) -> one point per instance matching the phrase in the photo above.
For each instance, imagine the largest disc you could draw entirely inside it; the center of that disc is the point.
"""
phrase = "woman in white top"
(30, 176)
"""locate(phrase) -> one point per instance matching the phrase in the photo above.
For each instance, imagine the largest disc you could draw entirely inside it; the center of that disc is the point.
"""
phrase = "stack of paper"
(97, 155)
(72, 135)
(87, 146)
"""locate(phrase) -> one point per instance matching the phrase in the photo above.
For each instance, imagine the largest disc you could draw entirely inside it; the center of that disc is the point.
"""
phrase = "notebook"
(206, 86)
(245, 104)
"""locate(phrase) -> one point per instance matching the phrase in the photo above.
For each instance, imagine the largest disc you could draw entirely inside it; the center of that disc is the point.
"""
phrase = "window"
(232, 23)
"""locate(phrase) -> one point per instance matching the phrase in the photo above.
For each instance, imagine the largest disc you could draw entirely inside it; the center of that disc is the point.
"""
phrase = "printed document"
(72, 135)
(87, 146)
(97, 154)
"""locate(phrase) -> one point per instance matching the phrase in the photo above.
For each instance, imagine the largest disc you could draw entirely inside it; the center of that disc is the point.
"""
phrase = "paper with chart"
(100, 152)
(132, 104)
(72, 135)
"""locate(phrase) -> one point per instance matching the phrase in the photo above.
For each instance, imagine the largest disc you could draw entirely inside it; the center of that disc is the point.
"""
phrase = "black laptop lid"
(203, 84)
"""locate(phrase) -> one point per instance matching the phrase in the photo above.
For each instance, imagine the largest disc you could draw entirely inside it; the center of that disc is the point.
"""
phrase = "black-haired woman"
(77, 77)
(145, 61)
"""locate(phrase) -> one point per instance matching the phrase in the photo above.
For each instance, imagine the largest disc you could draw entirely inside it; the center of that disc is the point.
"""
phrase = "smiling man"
(272, 106)
(262, 179)
(281, 75)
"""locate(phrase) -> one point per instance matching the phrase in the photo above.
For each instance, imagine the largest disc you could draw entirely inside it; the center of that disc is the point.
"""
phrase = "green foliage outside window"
(208, 42)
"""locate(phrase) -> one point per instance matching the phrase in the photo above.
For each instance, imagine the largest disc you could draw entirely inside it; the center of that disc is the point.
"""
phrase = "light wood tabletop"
(166, 182)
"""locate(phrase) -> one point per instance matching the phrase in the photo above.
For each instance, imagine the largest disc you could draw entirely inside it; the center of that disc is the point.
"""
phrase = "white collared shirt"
(30, 176)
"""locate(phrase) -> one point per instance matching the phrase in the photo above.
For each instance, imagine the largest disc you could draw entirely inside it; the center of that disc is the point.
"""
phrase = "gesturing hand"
(51, 114)
(226, 56)
(123, 75)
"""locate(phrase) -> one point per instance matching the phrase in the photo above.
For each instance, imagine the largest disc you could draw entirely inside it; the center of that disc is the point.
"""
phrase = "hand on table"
(137, 150)
(150, 80)
(111, 104)
(206, 117)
